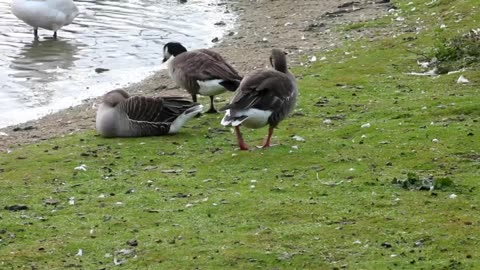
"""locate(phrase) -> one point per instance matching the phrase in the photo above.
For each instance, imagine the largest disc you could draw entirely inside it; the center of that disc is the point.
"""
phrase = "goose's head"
(113, 98)
(172, 49)
(278, 60)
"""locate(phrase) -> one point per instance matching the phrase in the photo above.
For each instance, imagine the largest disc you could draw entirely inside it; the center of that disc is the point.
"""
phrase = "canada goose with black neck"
(200, 72)
(264, 97)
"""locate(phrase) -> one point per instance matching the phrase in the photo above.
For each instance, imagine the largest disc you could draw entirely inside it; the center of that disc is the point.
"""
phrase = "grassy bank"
(385, 175)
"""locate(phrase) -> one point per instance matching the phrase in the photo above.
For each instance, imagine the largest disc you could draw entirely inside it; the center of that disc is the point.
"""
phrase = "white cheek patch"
(166, 54)
(170, 68)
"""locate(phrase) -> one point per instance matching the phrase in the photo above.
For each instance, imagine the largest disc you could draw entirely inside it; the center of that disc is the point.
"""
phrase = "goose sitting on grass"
(201, 72)
(121, 115)
(264, 97)
(47, 14)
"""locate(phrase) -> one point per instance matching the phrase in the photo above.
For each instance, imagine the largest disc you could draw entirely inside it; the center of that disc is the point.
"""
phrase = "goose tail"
(230, 85)
(184, 117)
(232, 120)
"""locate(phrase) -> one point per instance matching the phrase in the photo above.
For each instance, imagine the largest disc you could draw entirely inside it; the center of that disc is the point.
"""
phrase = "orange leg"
(241, 143)
(269, 136)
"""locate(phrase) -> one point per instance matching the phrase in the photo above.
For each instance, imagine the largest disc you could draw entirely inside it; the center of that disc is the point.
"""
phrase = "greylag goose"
(200, 72)
(121, 115)
(48, 14)
(264, 97)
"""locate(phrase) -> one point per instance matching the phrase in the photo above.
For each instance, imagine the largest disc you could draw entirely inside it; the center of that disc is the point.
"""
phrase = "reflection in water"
(41, 60)
(124, 36)
(39, 63)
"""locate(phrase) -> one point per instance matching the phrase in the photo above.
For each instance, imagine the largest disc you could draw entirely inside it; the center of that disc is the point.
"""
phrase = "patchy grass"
(378, 23)
(192, 201)
(459, 52)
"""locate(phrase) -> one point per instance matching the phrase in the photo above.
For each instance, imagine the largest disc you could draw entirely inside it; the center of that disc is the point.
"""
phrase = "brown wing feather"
(155, 109)
(201, 66)
(150, 128)
(264, 90)
(220, 58)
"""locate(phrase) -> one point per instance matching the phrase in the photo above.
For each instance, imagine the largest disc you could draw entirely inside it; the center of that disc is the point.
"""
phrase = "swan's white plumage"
(47, 14)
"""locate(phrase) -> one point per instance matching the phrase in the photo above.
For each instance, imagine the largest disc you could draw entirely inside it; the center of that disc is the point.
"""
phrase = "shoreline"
(303, 28)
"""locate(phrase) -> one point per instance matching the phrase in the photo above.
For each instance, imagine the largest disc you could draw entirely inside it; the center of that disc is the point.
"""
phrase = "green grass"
(375, 24)
(335, 201)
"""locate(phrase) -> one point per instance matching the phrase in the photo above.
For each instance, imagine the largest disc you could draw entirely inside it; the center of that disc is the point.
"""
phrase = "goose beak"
(164, 60)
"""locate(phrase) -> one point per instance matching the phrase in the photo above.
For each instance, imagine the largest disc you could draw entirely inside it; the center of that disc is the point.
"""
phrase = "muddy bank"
(302, 28)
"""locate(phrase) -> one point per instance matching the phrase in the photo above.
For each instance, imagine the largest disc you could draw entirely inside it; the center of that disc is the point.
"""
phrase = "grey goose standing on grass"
(264, 97)
(201, 72)
(122, 115)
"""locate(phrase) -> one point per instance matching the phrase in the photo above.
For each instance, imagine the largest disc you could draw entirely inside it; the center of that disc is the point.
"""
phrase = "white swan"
(47, 14)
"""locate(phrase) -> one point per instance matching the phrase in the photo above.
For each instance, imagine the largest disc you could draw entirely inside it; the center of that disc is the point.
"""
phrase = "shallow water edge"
(112, 45)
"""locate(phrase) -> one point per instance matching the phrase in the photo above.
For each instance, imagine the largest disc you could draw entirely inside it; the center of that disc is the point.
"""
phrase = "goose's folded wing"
(143, 128)
(203, 67)
(155, 109)
(220, 58)
(219, 70)
(263, 90)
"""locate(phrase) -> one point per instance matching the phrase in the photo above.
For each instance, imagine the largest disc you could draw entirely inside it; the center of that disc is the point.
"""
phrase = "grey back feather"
(219, 58)
(152, 116)
(193, 66)
(267, 89)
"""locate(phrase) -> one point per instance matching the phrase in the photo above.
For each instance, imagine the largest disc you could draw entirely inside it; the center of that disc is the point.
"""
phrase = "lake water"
(124, 36)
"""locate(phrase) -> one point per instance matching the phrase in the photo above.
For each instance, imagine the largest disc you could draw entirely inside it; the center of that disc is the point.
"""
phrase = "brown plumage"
(121, 115)
(264, 97)
(200, 72)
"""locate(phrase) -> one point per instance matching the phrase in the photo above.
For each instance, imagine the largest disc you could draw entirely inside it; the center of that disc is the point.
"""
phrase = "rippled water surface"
(124, 36)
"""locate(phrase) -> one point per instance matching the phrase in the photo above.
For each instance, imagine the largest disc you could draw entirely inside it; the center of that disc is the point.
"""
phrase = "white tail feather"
(251, 118)
(236, 123)
(183, 118)
(224, 121)
(210, 87)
